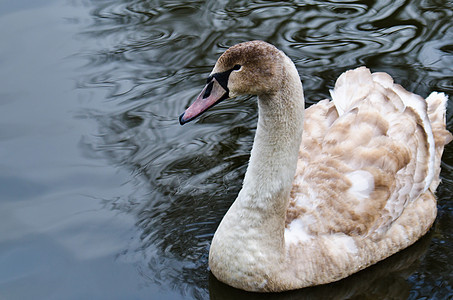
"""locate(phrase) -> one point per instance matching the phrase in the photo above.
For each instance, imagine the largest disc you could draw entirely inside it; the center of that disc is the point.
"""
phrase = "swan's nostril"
(208, 90)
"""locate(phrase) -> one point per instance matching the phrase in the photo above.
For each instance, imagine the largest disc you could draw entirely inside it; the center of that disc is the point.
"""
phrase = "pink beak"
(212, 94)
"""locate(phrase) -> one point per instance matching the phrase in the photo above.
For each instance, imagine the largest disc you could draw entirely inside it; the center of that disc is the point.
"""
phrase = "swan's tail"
(437, 103)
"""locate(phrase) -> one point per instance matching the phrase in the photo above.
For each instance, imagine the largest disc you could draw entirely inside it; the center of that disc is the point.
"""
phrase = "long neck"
(249, 241)
(273, 160)
(259, 211)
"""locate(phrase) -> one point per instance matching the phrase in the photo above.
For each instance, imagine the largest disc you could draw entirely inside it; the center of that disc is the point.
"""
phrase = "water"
(104, 196)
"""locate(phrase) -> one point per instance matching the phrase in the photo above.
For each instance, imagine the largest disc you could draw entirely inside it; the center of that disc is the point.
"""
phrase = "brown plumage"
(327, 196)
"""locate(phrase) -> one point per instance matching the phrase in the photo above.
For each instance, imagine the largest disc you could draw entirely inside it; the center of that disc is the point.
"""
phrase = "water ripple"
(150, 61)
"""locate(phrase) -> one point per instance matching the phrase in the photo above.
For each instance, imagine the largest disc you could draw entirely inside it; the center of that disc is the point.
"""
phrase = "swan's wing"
(359, 170)
(317, 121)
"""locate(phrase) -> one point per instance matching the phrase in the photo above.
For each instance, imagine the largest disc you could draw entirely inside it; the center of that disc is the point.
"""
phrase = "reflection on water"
(151, 60)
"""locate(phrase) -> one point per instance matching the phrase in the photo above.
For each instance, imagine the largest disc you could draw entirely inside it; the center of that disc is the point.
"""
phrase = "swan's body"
(327, 197)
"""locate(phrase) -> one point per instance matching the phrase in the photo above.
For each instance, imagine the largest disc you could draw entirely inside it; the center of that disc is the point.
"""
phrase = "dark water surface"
(104, 196)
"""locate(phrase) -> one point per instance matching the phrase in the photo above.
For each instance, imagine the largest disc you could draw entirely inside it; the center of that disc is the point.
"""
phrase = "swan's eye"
(237, 67)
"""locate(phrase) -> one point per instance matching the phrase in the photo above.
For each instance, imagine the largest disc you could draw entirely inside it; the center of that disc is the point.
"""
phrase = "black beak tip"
(181, 119)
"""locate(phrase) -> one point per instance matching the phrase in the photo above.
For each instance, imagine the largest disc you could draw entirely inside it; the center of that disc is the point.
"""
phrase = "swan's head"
(252, 68)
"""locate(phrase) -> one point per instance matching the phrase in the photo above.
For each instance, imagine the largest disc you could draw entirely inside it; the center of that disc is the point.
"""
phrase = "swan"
(329, 193)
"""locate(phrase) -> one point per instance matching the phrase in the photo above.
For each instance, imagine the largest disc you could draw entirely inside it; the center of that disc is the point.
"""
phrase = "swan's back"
(367, 157)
